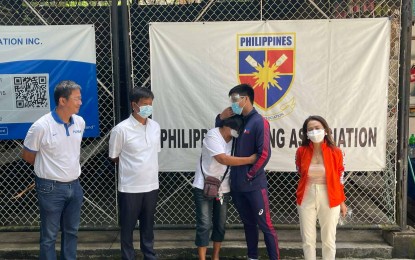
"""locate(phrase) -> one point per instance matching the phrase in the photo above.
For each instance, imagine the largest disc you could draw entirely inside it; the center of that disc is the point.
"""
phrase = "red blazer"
(333, 163)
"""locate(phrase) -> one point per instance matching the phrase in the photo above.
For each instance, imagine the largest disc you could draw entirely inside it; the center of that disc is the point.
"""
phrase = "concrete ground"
(179, 244)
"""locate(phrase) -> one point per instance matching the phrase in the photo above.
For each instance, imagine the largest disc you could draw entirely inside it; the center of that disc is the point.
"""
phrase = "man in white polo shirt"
(53, 146)
(134, 145)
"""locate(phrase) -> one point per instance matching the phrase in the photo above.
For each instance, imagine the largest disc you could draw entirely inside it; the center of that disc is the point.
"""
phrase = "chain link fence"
(18, 200)
(372, 195)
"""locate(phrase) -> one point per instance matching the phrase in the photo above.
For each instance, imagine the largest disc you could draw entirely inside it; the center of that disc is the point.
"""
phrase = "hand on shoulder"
(227, 112)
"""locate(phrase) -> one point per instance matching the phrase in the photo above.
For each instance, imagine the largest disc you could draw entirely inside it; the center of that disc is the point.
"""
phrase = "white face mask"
(145, 111)
(316, 136)
(234, 133)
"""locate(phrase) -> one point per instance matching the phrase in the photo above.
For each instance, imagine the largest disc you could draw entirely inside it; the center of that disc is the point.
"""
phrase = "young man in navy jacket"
(248, 182)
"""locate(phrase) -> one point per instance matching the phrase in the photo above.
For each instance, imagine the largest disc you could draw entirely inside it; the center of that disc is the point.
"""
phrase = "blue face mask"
(236, 108)
(145, 111)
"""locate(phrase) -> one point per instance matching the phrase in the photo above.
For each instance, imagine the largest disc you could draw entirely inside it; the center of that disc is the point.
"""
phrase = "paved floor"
(179, 244)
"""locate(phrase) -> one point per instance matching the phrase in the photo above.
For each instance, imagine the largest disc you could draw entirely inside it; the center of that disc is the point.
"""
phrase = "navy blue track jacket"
(255, 138)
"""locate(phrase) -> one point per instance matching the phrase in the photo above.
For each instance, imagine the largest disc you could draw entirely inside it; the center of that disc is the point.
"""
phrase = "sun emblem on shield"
(270, 70)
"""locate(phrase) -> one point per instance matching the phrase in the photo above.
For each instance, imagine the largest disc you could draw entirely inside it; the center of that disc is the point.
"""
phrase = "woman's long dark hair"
(329, 138)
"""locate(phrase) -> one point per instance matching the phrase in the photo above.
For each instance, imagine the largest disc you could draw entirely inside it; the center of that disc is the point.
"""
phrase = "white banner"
(62, 42)
(337, 69)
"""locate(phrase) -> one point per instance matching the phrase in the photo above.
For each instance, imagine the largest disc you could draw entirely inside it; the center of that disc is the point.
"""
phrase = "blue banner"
(33, 60)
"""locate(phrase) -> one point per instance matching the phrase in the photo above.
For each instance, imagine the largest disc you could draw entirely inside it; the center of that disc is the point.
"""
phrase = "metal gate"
(371, 195)
(18, 200)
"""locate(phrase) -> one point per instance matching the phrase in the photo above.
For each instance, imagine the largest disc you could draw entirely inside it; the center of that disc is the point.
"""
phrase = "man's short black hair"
(139, 92)
(234, 122)
(64, 89)
(243, 90)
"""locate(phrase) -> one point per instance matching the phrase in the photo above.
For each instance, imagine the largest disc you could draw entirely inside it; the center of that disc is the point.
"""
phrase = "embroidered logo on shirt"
(77, 131)
(260, 212)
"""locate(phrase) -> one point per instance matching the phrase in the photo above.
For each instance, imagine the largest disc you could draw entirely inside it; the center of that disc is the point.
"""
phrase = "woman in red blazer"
(320, 191)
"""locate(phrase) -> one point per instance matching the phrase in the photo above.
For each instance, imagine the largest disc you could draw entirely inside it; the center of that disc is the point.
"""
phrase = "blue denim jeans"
(209, 211)
(60, 207)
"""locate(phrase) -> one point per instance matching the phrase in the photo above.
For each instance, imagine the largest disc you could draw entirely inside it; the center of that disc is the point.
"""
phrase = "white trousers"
(315, 205)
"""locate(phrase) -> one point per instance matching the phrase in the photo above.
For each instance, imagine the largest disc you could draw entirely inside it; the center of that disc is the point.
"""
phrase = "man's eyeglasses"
(76, 98)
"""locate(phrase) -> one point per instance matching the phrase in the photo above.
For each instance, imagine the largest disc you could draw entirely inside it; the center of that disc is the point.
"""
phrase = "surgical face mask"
(145, 111)
(316, 136)
(234, 133)
(236, 108)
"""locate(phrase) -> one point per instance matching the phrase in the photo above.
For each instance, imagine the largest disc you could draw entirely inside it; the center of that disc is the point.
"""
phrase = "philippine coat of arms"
(267, 62)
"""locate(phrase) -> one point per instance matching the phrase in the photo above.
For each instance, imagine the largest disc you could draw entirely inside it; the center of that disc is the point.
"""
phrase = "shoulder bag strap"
(227, 168)
(201, 168)
(232, 152)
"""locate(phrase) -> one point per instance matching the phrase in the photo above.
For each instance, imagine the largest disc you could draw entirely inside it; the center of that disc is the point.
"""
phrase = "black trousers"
(133, 207)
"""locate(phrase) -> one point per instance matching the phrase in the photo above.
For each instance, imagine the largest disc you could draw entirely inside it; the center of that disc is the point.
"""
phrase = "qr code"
(31, 91)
